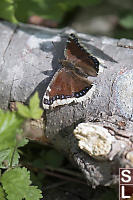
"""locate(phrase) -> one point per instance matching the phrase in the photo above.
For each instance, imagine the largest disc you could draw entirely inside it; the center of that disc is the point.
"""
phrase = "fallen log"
(95, 134)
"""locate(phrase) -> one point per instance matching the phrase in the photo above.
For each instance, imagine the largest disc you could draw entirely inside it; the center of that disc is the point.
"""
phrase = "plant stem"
(13, 156)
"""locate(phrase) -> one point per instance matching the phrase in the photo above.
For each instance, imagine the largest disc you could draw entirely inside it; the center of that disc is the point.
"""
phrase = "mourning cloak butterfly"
(70, 83)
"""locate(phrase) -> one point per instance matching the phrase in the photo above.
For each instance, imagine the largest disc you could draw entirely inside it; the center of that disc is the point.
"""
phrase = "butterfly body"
(70, 83)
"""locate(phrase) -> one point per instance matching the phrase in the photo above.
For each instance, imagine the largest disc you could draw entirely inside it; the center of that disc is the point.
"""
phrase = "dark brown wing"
(67, 83)
(76, 54)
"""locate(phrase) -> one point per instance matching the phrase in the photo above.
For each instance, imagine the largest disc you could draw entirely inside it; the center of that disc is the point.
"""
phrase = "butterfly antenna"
(54, 46)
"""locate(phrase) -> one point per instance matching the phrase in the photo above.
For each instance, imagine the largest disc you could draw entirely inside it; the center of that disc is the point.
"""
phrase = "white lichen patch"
(129, 156)
(123, 93)
(93, 139)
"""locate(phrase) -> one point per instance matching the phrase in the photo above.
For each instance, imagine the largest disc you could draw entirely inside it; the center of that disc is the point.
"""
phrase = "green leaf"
(6, 155)
(127, 21)
(2, 194)
(10, 124)
(38, 179)
(22, 142)
(7, 10)
(54, 158)
(35, 110)
(16, 183)
(34, 101)
(23, 110)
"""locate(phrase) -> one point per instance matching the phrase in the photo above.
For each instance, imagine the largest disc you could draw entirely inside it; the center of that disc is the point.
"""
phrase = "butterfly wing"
(78, 55)
(66, 87)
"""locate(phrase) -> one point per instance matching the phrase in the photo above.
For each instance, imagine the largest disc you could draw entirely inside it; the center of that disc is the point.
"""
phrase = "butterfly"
(70, 83)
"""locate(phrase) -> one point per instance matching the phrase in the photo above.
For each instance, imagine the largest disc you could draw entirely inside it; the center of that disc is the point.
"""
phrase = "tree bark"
(29, 60)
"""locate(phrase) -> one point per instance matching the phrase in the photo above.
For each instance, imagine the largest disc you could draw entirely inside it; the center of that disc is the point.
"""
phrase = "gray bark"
(28, 60)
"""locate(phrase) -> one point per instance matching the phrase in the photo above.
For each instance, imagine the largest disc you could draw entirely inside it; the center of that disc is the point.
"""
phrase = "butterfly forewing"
(80, 57)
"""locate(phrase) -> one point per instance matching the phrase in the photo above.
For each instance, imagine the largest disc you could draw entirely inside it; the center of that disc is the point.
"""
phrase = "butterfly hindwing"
(66, 85)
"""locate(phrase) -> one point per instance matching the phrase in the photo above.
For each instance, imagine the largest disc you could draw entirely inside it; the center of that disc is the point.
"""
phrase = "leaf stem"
(12, 158)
